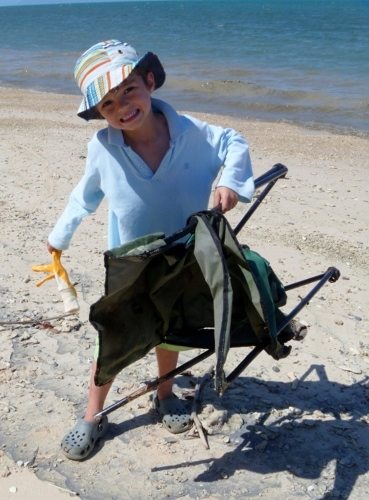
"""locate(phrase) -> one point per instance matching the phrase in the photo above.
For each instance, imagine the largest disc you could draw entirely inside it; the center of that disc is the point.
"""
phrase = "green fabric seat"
(197, 288)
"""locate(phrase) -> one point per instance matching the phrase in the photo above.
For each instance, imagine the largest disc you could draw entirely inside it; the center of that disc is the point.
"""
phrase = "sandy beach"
(297, 428)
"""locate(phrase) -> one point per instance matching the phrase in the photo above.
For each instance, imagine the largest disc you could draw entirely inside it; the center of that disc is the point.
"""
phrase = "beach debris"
(294, 380)
(217, 418)
(195, 402)
(235, 422)
(25, 336)
(27, 322)
(355, 317)
(44, 325)
(351, 369)
(5, 472)
(70, 324)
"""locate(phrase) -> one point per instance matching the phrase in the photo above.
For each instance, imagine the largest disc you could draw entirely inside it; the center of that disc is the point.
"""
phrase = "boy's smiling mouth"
(130, 117)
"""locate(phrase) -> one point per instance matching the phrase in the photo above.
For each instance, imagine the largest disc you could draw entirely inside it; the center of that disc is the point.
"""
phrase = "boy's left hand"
(225, 199)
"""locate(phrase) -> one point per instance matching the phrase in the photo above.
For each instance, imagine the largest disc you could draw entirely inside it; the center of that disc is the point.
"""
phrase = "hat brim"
(148, 63)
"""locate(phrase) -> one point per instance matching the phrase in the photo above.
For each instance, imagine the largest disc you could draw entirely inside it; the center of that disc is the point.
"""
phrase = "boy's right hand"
(224, 199)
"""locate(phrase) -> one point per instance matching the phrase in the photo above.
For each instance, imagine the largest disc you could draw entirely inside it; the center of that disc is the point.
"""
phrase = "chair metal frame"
(331, 275)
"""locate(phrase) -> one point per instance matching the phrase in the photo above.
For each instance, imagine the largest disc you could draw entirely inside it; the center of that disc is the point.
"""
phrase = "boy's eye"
(105, 104)
(128, 89)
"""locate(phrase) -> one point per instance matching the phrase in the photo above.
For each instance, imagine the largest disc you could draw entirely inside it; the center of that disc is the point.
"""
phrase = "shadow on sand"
(318, 431)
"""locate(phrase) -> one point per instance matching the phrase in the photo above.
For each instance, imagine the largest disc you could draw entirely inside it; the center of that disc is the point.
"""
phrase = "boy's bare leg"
(96, 396)
(167, 361)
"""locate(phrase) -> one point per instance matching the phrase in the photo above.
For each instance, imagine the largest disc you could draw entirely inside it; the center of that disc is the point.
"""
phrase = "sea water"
(304, 61)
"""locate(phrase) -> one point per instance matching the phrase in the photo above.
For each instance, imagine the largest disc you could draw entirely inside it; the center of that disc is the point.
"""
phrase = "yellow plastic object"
(65, 287)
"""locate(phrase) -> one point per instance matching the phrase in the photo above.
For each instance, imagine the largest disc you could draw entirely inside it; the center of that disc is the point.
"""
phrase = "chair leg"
(151, 385)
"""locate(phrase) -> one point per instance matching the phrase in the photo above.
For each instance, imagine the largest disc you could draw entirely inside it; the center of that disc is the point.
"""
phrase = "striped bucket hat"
(104, 66)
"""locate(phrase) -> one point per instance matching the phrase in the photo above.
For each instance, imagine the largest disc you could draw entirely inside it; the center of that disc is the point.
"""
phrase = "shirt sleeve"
(84, 200)
(236, 173)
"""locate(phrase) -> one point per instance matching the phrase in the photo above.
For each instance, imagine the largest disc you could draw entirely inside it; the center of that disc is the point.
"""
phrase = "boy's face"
(126, 106)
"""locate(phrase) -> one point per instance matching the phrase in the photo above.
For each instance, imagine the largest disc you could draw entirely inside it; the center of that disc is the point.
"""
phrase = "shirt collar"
(177, 124)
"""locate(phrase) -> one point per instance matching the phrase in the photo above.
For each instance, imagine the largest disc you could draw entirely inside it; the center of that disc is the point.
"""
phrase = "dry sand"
(288, 429)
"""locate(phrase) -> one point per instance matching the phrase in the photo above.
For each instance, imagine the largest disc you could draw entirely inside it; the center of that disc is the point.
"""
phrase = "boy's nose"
(122, 100)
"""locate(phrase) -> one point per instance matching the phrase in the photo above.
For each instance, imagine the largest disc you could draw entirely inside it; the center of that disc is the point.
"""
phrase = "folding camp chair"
(196, 288)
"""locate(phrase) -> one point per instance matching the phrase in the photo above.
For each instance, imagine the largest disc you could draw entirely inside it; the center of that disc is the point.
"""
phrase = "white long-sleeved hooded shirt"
(142, 202)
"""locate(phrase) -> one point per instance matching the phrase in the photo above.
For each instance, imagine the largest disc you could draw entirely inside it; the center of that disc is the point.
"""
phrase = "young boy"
(156, 168)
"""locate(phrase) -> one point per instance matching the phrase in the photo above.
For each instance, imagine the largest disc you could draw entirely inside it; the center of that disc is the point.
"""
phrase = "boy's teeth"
(129, 116)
